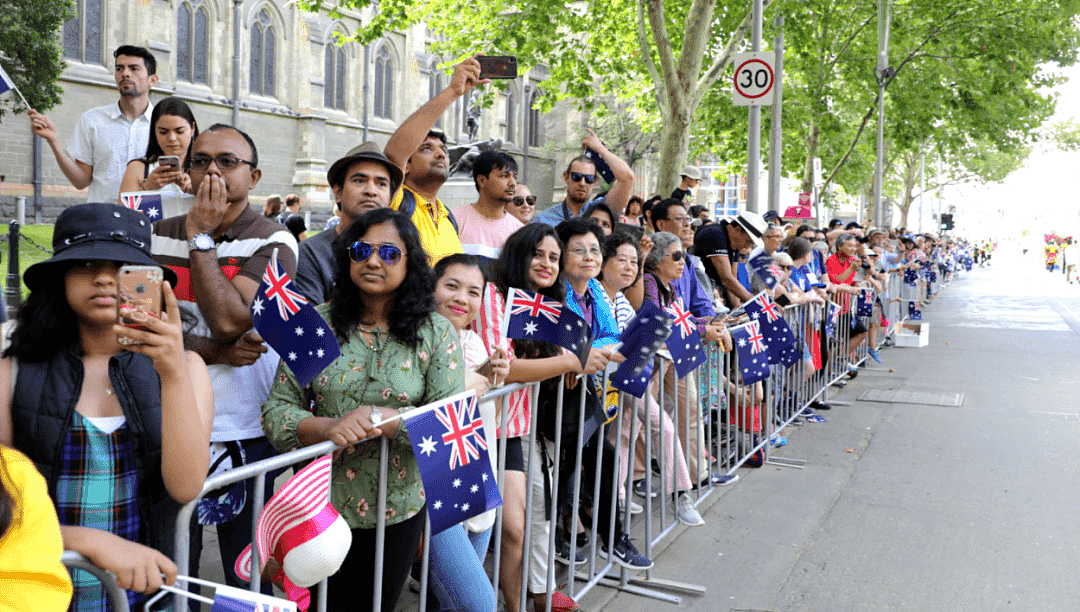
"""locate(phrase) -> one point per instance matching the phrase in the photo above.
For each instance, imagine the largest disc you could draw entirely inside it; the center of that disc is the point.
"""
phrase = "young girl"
(120, 432)
(30, 546)
(172, 130)
(459, 291)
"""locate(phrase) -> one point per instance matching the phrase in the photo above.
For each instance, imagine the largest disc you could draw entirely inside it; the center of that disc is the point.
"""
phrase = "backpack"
(408, 207)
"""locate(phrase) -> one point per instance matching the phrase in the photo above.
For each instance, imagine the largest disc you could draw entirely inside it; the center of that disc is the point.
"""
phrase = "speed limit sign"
(754, 79)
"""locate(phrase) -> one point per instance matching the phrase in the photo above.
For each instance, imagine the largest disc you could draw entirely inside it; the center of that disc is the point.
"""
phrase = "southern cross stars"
(257, 306)
(427, 447)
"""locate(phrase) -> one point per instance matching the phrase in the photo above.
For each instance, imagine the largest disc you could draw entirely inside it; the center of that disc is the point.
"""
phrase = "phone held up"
(140, 289)
(169, 160)
(498, 67)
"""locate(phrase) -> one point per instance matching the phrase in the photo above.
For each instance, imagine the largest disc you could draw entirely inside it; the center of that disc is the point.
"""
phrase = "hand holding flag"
(761, 264)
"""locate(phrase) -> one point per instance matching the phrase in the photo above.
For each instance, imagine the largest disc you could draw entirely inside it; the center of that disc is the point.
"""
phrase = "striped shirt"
(621, 308)
(244, 249)
(488, 325)
(98, 487)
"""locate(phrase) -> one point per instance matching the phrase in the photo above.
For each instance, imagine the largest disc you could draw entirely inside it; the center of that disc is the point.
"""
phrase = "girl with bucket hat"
(121, 433)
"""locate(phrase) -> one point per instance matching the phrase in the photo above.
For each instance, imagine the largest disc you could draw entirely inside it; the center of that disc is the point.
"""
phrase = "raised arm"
(620, 192)
(79, 173)
(412, 132)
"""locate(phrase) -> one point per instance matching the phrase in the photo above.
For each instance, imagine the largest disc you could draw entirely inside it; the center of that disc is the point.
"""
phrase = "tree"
(670, 59)
(30, 50)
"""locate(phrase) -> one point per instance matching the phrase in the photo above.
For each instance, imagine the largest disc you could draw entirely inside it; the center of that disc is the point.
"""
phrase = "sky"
(1041, 196)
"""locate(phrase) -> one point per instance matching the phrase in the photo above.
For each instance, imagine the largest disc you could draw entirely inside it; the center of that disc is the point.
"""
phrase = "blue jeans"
(235, 535)
(457, 571)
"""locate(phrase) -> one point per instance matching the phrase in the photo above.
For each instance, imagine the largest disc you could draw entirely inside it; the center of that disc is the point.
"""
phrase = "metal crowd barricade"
(117, 596)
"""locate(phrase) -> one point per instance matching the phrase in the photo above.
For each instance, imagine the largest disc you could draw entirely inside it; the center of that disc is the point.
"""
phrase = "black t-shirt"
(713, 240)
(680, 194)
(294, 223)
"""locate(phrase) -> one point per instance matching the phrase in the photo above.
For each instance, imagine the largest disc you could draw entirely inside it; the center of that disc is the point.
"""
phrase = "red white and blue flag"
(296, 331)
(752, 352)
(531, 316)
(452, 453)
(231, 599)
(761, 264)
(643, 336)
(146, 202)
(684, 343)
(770, 318)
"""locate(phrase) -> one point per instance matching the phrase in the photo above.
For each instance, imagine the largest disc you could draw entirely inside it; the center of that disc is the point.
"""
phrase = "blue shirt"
(558, 213)
(696, 298)
(605, 330)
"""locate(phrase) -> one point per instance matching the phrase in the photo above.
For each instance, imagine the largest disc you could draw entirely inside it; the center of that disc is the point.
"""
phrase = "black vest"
(43, 407)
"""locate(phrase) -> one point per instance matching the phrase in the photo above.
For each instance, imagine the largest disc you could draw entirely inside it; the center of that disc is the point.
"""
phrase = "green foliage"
(30, 50)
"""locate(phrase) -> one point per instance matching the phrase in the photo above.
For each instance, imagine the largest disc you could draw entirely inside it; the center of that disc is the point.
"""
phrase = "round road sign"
(753, 79)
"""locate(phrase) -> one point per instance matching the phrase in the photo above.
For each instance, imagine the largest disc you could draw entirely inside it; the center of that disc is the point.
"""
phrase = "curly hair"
(414, 299)
(46, 322)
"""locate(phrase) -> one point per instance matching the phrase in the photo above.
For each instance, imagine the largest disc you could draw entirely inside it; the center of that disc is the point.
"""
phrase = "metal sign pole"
(753, 152)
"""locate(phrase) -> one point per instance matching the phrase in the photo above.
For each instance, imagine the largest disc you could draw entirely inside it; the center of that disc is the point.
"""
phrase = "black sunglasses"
(676, 256)
(521, 201)
(361, 251)
(577, 176)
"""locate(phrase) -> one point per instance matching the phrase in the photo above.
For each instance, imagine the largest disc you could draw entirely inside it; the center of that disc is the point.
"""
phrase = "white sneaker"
(687, 513)
(635, 508)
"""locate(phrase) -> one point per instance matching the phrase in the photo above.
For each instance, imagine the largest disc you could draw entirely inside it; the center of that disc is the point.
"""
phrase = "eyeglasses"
(225, 162)
(582, 252)
(785, 267)
(521, 201)
(361, 251)
(577, 176)
(677, 256)
(684, 220)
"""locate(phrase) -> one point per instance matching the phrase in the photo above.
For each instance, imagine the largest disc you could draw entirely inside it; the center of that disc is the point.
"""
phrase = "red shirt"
(836, 265)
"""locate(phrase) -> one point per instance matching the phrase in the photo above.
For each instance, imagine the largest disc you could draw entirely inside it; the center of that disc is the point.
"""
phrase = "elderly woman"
(395, 354)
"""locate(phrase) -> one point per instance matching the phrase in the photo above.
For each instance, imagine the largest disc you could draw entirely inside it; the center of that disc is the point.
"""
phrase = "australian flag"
(788, 356)
(762, 265)
(452, 454)
(292, 326)
(146, 202)
(752, 352)
(231, 599)
(769, 317)
(913, 310)
(532, 316)
(865, 306)
(6, 84)
(832, 315)
(911, 277)
(643, 336)
(684, 343)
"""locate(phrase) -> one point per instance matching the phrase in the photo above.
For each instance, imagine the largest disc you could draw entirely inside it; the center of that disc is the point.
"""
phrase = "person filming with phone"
(580, 178)
(172, 132)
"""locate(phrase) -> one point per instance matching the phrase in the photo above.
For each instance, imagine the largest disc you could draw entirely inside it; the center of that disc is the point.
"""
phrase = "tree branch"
(663, 47)
(646, 56)
(724, 59)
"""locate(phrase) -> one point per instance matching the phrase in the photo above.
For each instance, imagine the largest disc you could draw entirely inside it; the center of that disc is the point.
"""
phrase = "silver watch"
(201, 242)
(376, 416)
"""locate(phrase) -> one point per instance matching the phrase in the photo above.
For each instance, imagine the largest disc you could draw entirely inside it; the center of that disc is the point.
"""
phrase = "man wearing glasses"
(580, 178)
(219, 251)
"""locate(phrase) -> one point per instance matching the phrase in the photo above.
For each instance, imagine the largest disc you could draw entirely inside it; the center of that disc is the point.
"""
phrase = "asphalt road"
(934, 508)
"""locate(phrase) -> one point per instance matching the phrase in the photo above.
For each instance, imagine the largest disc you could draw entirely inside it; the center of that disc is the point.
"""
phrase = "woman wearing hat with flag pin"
(117, 417)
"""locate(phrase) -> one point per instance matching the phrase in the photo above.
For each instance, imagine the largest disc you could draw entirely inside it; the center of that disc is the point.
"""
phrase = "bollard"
(14, 288)
(20, 210)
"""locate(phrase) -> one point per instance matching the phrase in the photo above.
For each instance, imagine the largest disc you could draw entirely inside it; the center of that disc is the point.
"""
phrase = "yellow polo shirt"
(436, 232)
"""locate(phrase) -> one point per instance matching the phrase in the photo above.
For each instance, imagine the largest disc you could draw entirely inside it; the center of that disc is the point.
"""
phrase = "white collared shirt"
(106, 140)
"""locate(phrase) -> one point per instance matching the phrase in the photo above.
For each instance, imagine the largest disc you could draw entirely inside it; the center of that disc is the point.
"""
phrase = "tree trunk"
(674, 143)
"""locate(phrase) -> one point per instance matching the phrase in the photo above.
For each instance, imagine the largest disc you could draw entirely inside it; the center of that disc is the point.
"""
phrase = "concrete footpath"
(910, 506)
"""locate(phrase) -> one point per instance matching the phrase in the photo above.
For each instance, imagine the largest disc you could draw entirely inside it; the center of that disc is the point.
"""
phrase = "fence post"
(14, 288)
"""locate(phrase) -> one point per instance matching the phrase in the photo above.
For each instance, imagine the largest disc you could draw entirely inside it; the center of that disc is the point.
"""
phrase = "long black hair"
(414, 299)
(512, 271)
(46, 322)
(176, 107)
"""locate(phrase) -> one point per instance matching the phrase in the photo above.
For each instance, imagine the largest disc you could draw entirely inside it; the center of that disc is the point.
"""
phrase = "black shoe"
(819, 405)
(582, 539)
(562, 553)
(839, 384)
(626, 554)
(655, 467)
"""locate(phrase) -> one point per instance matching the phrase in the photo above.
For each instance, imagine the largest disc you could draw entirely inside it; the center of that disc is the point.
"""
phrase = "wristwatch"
(376, 416)
(201, 242)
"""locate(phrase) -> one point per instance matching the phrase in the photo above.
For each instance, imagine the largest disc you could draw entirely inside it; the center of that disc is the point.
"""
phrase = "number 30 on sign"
(754, 79)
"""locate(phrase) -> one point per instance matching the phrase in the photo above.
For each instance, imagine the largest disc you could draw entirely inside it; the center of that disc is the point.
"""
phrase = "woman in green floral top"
(396, 355)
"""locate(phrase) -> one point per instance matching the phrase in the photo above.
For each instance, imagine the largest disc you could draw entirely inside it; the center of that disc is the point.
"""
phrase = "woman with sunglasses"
(396, 354)
(523, 205)
(172, 130)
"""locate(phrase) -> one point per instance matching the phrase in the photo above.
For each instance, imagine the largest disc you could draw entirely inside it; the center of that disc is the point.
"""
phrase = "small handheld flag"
(643, 336)
(761, 264)
(832, 317)
(287, 322)
(769, 317)
(531, 316)
(752, 352)
(865, 306)
(914, 312)
(684, 343)
(451, 451)
(147, 202)
(6, 85)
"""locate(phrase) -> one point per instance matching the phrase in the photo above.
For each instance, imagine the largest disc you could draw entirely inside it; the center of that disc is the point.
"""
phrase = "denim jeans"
(457, 571)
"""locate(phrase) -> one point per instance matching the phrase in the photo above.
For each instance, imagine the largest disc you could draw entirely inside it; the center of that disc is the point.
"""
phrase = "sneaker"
(819, 405)
(686, 512)
(755, 461)
(817, 418)
(889, 342)
(852, 372)
(839, 384)
(626, 555)
(639, 488)
(719, 480)
(778, 441)
(562, 553)
(874, 355)
(635, 508)
(655, 467)
(807, 412)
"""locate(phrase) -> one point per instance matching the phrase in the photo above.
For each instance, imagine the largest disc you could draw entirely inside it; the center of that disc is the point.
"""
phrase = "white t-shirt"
(106, 140)
(475, 354)
(482, 236)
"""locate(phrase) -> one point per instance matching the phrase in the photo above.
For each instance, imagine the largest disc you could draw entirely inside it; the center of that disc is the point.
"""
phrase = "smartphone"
(634, 231)
(720, 318)
(169, 160)
(139, 287)
(498, 67)
(602, 167)
(484, 369)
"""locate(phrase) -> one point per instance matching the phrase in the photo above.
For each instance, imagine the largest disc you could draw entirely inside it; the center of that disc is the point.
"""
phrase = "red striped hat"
(302, 531)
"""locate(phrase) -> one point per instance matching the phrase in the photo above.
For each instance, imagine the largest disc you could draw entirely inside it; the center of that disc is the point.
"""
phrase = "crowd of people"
(124, 422)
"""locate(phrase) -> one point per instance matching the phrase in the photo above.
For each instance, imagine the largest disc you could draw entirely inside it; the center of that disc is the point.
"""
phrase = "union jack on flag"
(768, 307)
(535, 304)
(279, 289)
(146, 202)
(756, 340)
(451, 449)
(685, 344)
(683, 319)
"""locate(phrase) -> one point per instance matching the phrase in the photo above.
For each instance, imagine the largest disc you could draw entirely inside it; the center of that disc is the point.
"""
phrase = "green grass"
(29, 254)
